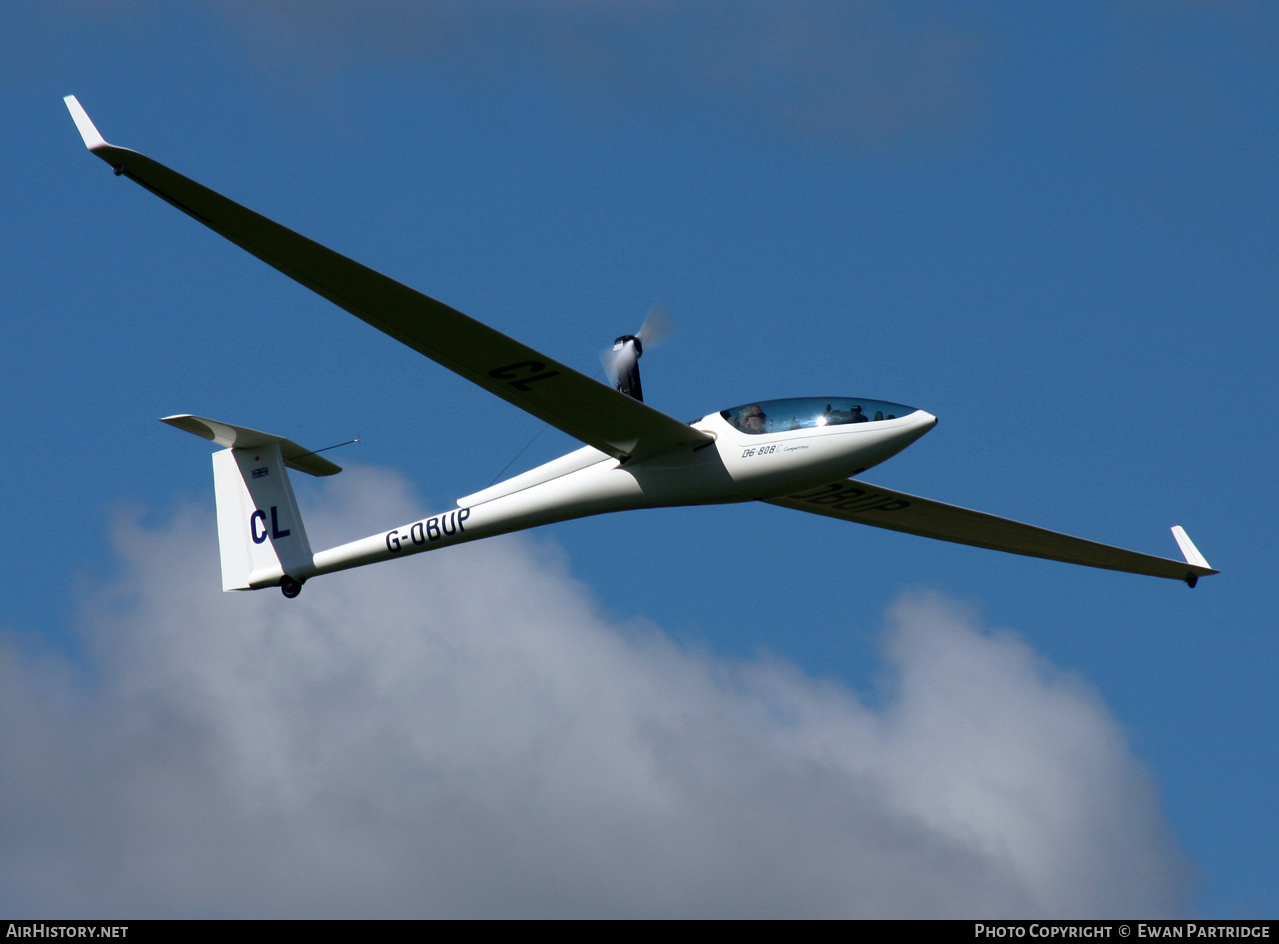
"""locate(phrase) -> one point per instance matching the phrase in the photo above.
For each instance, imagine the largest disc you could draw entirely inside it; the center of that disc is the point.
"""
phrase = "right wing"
(852, 500)
(584, 408)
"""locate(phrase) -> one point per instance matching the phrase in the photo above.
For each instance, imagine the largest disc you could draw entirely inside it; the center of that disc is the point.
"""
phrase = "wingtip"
(193, 424)
(93, 140)
(1188, 549)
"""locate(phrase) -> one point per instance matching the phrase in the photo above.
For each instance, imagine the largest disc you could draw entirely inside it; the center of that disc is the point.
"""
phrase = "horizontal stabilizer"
(241, 437)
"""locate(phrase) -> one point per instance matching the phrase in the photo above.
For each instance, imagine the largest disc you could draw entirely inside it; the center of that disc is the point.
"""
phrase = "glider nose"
(920, 422)
(893, 441)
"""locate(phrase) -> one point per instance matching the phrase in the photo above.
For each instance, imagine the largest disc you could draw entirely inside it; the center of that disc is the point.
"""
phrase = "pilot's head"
(752, 419)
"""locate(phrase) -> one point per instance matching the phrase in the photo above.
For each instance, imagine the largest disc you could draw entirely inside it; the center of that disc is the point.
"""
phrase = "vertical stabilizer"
(260, 530)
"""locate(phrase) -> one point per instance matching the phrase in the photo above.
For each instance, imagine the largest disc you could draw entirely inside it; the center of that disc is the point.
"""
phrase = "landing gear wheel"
(290, 587)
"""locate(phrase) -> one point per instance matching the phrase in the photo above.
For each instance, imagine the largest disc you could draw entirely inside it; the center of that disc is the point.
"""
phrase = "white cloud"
(466, 734)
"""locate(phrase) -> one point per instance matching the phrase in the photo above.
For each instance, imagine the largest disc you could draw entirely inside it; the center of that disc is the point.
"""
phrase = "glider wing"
(852, 500)
(568, 400)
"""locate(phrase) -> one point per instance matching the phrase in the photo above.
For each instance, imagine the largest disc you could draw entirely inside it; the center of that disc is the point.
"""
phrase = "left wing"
(584, 408)
(852, 500)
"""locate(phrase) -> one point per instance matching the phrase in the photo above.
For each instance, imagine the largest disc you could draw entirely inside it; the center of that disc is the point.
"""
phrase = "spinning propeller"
(621, 361)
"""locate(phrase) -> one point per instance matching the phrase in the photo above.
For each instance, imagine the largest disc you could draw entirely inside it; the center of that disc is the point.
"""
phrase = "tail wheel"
(290, 587)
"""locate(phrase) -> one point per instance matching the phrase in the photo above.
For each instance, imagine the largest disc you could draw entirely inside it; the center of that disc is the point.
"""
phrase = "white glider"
(795, 453)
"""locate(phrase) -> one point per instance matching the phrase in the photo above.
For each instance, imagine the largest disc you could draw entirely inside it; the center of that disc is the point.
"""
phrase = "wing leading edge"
(863, 503)
(584, 408)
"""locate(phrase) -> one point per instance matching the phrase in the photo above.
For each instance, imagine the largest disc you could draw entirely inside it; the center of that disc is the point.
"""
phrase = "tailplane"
(260, 532)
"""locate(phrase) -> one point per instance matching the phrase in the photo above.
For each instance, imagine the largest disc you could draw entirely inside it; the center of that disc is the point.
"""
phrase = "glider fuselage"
(808, 445)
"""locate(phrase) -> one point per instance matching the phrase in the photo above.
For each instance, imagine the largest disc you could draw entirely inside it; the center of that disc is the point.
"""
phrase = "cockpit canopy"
(779, 416)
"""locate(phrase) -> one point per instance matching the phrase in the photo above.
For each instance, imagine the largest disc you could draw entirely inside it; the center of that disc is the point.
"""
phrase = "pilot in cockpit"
(751, 419)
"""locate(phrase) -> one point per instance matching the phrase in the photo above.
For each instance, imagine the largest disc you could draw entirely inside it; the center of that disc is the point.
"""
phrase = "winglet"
(93, 140)
(1188, 549)
(1192, 556)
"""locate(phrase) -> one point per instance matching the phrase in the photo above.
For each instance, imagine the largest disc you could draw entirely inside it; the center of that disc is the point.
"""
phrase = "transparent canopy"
(779, 416)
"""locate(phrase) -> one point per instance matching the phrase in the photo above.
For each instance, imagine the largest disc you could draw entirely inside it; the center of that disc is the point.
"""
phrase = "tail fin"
(260, 532)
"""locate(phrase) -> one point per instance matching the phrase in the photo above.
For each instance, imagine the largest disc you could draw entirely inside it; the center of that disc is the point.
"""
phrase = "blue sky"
(1053, 228)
